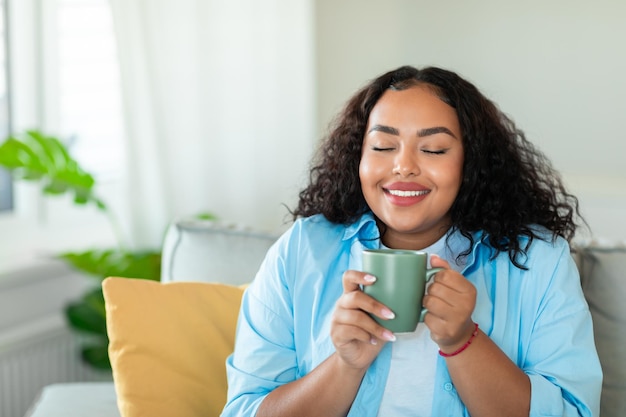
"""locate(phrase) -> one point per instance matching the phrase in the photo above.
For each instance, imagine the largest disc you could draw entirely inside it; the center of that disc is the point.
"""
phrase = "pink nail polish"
(369, 278)
(387, 335)
(388, 314)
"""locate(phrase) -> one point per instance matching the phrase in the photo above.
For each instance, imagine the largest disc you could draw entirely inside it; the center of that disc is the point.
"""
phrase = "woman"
(420, 159)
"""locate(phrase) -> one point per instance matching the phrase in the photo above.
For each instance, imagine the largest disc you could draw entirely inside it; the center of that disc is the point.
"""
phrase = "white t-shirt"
(411, 381)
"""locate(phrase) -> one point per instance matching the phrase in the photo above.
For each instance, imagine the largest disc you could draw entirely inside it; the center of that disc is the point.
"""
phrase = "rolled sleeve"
(561, 361)
(264, 357)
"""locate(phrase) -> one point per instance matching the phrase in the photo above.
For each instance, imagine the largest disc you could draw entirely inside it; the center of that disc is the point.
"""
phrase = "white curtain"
(219, 109)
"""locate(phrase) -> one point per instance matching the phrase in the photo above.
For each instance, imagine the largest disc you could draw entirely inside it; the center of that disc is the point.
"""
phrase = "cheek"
(373, 165)
(369, 179)
(456, 175)
(449, 175)
(365, 171)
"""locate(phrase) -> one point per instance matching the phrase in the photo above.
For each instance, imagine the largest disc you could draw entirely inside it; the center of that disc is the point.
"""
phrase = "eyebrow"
(420, 133)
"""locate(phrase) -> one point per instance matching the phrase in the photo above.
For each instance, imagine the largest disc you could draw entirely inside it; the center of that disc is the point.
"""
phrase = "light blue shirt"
(538, 317)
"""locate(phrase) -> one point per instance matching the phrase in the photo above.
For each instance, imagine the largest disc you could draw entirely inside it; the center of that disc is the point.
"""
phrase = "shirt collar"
(366, 230)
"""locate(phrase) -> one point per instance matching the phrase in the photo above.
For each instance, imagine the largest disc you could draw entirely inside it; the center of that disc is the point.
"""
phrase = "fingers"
(450, 301)
(450, 295)
(448, 278)
(356, 335)
(352, 280)
(358, 300)
(354, 307)
(437, 262)
(355, 298)
(351, 324)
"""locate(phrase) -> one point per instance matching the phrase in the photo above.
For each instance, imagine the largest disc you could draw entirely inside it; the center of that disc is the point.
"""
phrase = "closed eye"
(437, 152)
(377, 149)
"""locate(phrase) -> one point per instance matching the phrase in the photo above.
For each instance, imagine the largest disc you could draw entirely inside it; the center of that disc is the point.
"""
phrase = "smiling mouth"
(401, 193)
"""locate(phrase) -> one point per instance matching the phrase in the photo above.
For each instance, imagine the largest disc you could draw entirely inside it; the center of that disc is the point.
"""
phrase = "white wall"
(557, 68)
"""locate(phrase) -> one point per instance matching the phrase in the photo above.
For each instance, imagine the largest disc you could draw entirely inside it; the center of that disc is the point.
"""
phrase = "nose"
(406, 163)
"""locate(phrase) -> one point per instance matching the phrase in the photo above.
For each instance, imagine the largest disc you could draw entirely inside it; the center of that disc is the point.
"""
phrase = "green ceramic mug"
(401, 277)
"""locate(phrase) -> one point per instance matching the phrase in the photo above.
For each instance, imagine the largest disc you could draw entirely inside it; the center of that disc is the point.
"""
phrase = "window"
(65, 83)
(88, 85)
(6, 186)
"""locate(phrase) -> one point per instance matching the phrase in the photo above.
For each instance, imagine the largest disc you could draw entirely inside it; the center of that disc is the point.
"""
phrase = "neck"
(411, 241)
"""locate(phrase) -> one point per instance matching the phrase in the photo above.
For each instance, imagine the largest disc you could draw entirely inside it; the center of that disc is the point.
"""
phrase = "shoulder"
(318, 231)
(308, 242)
(542, 247)
(545, 247)
(546, 261)
(551, 273)
(307, 254)
(317, 224)
(311, 232)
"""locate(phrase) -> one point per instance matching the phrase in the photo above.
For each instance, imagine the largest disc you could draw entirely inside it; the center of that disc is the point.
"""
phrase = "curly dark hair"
(508, 185)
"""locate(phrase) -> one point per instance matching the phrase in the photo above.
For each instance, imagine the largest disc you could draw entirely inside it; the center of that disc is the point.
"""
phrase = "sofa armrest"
(604, 285)
(93, 399)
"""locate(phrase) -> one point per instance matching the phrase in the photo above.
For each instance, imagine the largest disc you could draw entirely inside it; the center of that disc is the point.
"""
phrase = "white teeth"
(408, 193)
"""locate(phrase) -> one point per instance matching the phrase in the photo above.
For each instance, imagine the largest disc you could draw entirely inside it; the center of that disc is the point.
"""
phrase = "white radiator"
(35, 355)
(36, 346)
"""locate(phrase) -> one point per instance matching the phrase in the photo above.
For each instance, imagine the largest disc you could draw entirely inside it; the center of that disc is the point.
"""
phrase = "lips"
(405, 193)
(406, 186)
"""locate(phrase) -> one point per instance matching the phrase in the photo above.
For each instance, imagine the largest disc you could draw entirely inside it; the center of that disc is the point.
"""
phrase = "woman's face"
(411, 165)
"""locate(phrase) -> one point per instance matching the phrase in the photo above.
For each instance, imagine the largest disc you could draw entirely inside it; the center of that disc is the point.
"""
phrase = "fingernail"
(387, 335)
(369, 278)
(386, 313)
(373, 341)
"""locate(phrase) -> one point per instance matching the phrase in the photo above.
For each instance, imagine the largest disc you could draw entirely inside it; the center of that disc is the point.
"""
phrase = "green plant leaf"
(19, 158)
(88, 314)
(50, 150)
(97, 355)
(33, 156)
(206, 216)
(117, 263)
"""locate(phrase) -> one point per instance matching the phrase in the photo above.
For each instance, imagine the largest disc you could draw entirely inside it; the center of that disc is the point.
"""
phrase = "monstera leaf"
(88, 315)
(116, 263)
(33, 156)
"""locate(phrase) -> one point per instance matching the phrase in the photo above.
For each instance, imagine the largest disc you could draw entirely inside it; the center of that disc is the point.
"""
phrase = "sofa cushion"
(604, 284)
(202, 250)
(168, 345)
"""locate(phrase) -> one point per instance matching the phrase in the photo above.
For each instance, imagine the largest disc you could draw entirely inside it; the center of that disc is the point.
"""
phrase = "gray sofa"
(604, 284)
(207, 251)
(193, 250)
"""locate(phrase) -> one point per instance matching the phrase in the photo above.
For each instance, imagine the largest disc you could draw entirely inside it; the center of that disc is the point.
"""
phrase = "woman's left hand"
(450, 301)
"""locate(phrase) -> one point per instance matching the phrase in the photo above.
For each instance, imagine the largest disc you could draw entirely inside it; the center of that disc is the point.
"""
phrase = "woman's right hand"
(357, 337)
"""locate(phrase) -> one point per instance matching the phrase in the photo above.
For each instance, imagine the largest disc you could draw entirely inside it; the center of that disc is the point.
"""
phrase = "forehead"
(418, 105)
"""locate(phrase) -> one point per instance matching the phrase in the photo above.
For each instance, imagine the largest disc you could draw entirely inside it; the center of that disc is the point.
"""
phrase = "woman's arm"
(558, 372)
(330, 388)
(487, 381)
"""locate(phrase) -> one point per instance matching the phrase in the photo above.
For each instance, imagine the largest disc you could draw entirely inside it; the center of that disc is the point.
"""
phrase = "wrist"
(455, 350)
(345, 369)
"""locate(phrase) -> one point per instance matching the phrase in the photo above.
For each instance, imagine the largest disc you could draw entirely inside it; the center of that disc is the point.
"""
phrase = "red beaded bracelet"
(462, 348)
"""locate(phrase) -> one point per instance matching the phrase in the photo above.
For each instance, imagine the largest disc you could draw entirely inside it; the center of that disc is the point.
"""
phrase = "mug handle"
(429, 274)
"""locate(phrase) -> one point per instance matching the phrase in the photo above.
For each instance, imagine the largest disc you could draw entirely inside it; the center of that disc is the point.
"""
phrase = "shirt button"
(448, 386)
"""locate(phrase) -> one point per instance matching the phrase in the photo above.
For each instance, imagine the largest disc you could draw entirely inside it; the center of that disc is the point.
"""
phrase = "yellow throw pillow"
(168, 345)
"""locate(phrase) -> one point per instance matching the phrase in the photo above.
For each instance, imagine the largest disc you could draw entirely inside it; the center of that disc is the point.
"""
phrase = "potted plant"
(34, 156)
